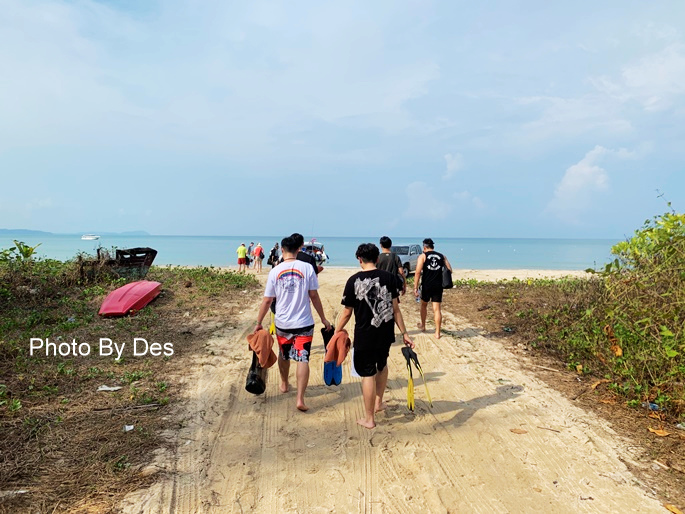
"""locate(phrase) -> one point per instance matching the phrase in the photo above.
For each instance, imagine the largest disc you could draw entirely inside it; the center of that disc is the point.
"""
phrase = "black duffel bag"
(447, 282)
(256, 377)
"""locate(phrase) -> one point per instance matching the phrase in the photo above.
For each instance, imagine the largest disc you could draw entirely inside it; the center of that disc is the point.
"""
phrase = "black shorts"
(370, 358)
(431, 295)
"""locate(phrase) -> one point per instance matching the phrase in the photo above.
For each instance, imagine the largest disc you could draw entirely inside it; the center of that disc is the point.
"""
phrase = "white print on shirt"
(377, 297)
(433, 262)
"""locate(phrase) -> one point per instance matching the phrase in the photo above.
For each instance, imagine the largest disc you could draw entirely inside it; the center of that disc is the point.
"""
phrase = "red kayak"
(130, 298)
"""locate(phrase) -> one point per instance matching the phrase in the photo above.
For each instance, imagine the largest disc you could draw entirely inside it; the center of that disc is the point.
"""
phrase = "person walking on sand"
(293, 284)
(249, 254)
(372, 295)
(242, 257)
(389, 261)
(429, 274)
(273, 256)
(258, 253)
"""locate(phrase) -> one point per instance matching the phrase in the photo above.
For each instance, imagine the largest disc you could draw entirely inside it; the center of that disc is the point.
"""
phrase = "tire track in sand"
(240, 453)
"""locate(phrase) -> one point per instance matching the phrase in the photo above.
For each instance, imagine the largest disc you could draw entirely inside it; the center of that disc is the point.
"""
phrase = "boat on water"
(90, 237)
(316, 250)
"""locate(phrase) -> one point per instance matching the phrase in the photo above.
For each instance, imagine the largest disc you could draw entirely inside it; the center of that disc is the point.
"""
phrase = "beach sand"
(496, 439)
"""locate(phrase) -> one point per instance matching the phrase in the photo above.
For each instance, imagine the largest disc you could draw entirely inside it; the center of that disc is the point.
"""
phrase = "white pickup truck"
(408, 254)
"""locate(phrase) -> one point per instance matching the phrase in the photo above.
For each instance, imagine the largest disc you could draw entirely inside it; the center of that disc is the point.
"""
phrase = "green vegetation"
(625, 324)
(52, 417)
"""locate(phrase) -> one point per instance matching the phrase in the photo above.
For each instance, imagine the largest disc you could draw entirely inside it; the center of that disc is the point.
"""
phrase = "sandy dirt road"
(235, 452)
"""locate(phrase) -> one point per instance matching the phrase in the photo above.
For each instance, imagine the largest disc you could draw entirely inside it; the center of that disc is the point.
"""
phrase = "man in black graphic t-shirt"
(372, 295)
(389, 261)
(429, 275)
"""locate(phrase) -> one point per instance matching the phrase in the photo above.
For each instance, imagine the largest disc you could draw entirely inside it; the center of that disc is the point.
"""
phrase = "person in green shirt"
(242, 257)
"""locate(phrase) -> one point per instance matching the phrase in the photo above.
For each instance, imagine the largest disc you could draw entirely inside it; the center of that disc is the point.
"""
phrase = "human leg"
(369, 396)
(424, 311)
(302, 381)
(437, 315)
(381, 382)
(284, 370)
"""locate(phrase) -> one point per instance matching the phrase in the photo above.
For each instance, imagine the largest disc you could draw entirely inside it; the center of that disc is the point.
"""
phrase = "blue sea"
(465, 253)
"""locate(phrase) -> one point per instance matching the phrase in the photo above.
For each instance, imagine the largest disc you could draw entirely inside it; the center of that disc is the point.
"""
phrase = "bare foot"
(366, 424)
(285, 387)
(421, 327)
(437, 335)
(381, 407)
(302, 407)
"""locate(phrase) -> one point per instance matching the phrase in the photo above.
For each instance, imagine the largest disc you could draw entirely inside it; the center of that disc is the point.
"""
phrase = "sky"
(409, 118)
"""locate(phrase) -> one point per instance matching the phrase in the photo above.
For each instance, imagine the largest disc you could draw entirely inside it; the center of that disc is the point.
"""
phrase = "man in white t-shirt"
(293, 284)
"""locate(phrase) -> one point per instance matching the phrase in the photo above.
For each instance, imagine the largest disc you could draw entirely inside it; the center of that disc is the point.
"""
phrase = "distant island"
(26, 232)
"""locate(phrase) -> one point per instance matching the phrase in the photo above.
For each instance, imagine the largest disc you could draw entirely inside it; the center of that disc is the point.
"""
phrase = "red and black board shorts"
(295, 343)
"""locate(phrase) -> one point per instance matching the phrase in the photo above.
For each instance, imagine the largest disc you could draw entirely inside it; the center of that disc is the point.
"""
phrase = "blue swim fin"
(337, 374)
(332, 374)
(328, 373)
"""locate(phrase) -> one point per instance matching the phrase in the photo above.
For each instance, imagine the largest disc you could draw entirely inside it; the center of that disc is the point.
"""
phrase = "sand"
(495, 440)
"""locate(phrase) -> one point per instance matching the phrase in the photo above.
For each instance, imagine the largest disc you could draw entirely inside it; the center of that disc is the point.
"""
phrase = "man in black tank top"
(429, 275)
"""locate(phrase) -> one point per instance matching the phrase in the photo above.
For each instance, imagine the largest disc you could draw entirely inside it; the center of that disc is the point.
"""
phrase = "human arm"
(399, 320)
(402, 273)
(344, 318)
(316, 302)
(417, 275)
(447, 264)
(263, 309)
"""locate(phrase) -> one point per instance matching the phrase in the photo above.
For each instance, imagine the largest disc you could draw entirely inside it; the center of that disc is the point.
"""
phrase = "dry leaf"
(660, 432)
(609, 401)
(618, 352)
(518, 431)
(579, 369)
(673, 508)
(655, 415)
(603, 381)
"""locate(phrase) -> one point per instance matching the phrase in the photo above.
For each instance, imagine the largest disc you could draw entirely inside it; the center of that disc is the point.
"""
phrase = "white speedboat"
(89, 237)
(315, 249)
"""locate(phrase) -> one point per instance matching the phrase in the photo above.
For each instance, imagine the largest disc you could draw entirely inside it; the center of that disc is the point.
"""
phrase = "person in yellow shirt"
(242, 257)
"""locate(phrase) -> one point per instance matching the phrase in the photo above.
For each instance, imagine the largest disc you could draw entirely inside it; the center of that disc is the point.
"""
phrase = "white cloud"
(572, 194)
(655, 81)
(423, 204)
(454, 164)
(467, 199)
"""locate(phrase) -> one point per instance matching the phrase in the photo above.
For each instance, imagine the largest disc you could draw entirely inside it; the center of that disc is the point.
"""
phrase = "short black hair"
(428, 243)
(386, 242)
(290, 244)
(368, 252)
(298, 238)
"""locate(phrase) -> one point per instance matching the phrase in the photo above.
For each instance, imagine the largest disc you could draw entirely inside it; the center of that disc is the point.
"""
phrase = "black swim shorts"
(370, 358)
(431, 295)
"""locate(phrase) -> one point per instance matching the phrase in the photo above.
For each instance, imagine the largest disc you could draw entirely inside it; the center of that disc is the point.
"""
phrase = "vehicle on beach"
(90, 237)
(316, 250)
(409, 255)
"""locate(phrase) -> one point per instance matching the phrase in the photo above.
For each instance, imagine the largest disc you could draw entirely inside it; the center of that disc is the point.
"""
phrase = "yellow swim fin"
(272, 327)
(410, 356)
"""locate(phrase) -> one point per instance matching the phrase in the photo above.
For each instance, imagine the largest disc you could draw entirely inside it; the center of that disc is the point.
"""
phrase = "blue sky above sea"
(442, 119)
